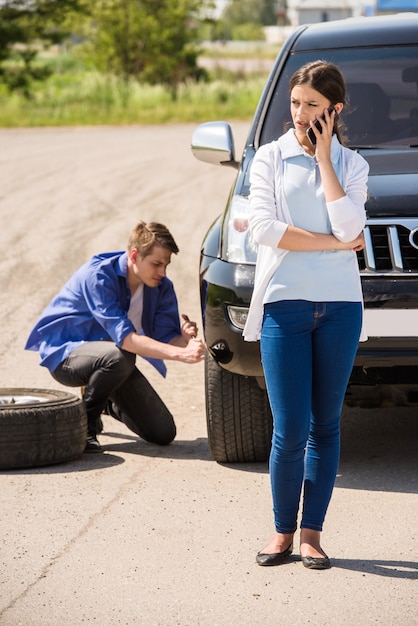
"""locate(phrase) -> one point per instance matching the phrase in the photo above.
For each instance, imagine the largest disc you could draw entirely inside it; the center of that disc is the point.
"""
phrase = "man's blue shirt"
(93, 306)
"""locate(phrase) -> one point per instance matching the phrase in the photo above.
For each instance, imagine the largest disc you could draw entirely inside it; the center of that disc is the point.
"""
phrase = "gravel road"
(164, 537)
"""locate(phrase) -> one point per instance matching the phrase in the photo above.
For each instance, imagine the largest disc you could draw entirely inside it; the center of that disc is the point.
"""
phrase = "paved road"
(164, 537)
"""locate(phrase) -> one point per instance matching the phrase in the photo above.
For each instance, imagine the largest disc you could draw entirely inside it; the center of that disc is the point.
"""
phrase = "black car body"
(379, 60)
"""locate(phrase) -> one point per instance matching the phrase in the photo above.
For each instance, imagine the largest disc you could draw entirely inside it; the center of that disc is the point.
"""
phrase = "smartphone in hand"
(310, 134)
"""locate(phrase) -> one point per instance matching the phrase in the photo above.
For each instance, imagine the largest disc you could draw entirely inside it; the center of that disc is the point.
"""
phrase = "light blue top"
(270, 214)
(320, 276)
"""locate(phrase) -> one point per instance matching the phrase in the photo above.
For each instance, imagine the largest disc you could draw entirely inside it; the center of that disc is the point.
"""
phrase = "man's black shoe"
(92, 445)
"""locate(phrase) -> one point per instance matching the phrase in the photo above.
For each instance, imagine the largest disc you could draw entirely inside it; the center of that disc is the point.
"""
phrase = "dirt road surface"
(165, 536)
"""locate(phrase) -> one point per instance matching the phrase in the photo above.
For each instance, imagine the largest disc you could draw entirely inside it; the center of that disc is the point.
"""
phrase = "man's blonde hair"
(145, 236)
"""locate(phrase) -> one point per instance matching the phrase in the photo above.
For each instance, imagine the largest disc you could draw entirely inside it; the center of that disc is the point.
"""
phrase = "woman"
(307, 215)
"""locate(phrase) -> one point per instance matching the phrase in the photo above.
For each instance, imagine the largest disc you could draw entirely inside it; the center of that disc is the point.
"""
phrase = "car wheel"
(40, 427)
(238, 416)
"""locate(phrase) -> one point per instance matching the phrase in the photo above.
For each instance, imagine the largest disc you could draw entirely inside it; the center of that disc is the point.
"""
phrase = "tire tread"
(238, 416)
(45, 433)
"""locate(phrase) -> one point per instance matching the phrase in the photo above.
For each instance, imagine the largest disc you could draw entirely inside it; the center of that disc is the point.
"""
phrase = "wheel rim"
(20, 399)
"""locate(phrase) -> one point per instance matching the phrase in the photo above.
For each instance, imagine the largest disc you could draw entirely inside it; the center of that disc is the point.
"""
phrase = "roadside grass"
(240, 50)
(85, 97)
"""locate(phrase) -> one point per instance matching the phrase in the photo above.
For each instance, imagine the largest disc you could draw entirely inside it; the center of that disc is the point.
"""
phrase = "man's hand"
(194, 352)
(188, 328)
(178, 349)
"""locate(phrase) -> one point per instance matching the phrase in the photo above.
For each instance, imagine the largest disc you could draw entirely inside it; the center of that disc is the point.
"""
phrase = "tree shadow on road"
(113, 454)
(379, 450)
(196, 449)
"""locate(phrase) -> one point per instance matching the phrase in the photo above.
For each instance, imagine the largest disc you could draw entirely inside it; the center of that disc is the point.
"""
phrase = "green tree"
(25, 28)
(251, 11)
(150, 40)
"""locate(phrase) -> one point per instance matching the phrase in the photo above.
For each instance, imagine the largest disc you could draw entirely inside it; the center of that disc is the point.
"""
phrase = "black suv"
(379, 60)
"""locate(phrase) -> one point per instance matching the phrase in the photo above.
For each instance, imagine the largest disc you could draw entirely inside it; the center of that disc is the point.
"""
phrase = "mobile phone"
(310, 134)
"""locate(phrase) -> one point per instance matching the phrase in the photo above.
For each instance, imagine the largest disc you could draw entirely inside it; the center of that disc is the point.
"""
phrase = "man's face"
(152, 269)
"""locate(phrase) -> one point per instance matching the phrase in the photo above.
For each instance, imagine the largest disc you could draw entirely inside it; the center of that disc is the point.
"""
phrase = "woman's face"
(305, 105)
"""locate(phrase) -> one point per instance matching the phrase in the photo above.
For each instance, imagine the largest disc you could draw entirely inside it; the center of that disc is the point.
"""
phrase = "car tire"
(40, 427)
(238, 416)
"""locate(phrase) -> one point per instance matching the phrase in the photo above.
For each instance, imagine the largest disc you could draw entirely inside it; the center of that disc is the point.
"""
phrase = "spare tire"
(40, 427)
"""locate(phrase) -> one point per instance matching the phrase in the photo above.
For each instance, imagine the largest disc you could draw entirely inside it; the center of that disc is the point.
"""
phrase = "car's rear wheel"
(238, 416)
(40, 427)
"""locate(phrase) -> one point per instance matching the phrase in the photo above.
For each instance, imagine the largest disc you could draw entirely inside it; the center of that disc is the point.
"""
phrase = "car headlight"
(239, 246)
(238, 315)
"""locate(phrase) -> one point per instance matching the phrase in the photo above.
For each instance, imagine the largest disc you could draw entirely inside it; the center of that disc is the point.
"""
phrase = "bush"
(247, 32)
(91, 98)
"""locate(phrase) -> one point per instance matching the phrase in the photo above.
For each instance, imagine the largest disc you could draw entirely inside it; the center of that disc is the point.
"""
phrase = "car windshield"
(382, 86)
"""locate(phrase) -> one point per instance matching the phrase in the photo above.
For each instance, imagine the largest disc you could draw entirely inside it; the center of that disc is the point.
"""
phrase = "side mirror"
(213, 142)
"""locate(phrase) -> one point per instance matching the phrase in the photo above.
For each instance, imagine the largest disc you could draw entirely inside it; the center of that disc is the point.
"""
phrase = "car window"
(382, 86)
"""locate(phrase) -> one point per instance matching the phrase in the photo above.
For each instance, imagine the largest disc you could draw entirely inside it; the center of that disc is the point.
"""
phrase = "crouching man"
(116, 306)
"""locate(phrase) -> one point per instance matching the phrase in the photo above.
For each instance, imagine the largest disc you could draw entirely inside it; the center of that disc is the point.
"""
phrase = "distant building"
(293, 13)
(313, 11)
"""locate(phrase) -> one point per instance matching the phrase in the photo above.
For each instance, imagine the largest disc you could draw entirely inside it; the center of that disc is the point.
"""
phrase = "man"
(116, 306)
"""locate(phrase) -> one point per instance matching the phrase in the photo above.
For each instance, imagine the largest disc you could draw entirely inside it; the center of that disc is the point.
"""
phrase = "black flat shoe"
(276, 558)
(316, 562)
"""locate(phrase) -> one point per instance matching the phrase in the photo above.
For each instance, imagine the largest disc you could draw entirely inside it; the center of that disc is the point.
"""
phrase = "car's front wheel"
(238, 416)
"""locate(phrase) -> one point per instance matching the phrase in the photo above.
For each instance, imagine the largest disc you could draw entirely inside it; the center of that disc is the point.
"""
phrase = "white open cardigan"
(270, 216)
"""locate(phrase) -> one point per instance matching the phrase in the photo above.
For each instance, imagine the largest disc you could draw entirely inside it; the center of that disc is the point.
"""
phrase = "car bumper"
(224, 285)
(389, 356)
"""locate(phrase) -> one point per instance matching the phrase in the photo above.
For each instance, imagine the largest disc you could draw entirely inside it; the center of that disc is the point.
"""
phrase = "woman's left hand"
(359, 243)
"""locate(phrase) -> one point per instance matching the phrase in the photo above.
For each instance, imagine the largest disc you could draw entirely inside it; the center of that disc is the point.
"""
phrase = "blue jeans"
(307, 351)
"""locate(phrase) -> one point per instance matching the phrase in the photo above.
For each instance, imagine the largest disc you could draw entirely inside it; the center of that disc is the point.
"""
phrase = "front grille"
(391, 247)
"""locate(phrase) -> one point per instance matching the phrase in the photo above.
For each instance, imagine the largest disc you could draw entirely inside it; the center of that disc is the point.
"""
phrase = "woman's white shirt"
(270, 215)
